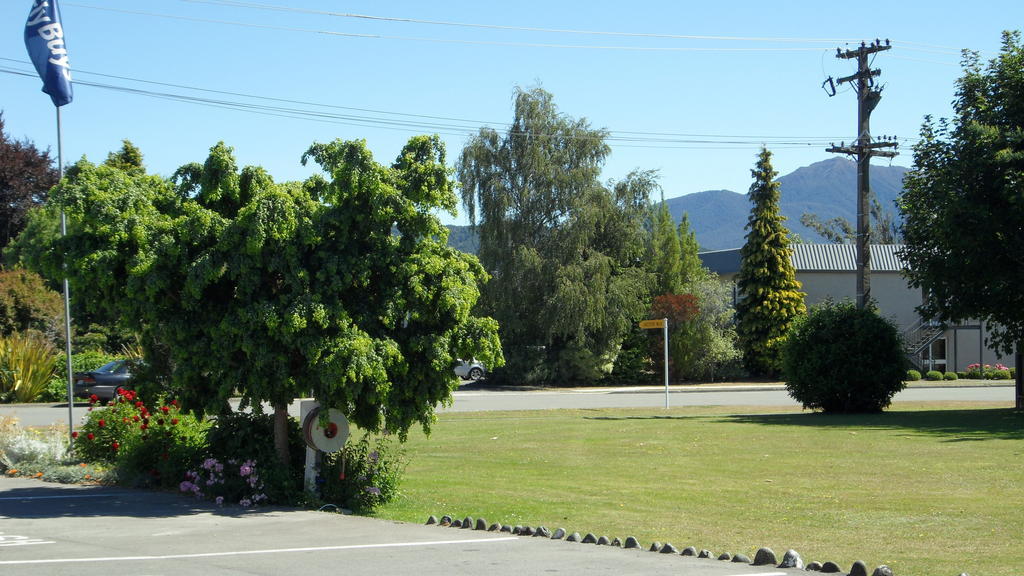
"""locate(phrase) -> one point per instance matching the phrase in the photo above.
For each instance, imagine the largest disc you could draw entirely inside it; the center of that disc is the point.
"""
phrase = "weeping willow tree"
(564, 251)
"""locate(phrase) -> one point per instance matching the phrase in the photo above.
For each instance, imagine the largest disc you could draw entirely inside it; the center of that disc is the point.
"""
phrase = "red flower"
(90, 436)
(174, 403)
(135, 418)
(165, 409)
(102, 423)
(74, 434)
(94, 399)
(143, 427)
(174, 420)
(139, 404)
(115, 445)
(125, 419)
(120, 391)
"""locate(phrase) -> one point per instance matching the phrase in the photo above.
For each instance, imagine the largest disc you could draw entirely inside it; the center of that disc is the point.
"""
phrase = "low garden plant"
(364, 475)
(27, 363)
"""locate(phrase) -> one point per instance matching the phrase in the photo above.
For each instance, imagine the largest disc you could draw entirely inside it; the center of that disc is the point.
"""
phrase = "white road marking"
(100, 495)
(253, 552)
(12, 540)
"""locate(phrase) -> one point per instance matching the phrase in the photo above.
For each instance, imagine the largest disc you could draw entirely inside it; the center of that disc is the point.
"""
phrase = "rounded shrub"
(933, 375)
(841, 359)
(999, 375)
(913, 376)
(950, 376)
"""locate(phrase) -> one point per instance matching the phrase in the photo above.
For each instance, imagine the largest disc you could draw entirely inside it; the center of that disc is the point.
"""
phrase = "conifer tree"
(690, 266)
(666, 258)
(770, 297)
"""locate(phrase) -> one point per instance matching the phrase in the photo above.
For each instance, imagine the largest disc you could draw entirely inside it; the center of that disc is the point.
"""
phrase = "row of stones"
(763, 557)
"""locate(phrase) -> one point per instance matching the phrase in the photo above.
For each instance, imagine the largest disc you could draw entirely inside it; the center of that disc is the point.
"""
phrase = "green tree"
(839, 230)
(963, 203)
(28, 305)
(26, 176)
(704, 348)
(690, 266)
(35, 249)
(565, 251)
(283, 291)
(770, 297)
(666, 253)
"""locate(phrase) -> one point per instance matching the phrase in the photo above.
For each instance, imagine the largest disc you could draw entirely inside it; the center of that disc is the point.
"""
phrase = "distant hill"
(464, 238)
(827, 188)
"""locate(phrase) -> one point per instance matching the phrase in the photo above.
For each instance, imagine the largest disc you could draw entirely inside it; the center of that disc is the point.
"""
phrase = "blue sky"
(691, 89)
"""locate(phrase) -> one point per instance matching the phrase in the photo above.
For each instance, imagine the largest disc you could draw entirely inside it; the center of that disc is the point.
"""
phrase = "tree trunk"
(281, 433)
(1019, 378)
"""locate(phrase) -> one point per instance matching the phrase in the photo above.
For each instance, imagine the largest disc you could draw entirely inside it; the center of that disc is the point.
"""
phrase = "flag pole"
(67, 295)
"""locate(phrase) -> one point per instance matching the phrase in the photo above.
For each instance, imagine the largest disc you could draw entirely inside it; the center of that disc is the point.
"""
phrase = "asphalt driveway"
(50, 529)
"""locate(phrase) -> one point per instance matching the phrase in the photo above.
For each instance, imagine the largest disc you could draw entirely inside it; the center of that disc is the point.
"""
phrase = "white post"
(664, 328)
(67, 298)
(310, 470)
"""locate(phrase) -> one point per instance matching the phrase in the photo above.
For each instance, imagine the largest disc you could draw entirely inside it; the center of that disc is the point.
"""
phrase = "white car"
(469, 370)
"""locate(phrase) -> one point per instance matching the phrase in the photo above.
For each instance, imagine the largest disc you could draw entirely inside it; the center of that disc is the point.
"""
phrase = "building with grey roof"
(829, 271)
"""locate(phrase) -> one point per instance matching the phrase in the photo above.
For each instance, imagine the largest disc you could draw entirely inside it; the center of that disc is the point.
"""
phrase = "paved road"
(53, 529)
(478, 398)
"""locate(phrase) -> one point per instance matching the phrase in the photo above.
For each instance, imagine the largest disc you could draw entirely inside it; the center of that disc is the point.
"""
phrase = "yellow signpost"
(648, 324)
(663, 324)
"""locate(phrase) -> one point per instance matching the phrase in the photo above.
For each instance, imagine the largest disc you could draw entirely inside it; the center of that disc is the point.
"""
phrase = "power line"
(259, 6)
(404, 122)
(628, 48)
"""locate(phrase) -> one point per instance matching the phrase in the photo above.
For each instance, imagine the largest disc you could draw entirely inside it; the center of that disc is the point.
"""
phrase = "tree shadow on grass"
(953, 425)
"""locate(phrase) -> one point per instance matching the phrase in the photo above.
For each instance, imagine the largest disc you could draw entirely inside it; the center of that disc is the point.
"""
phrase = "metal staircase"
(919, 337)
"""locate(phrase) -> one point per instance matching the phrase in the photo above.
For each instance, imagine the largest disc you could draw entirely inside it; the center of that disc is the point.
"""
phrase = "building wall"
(896, 300)
(966, 345)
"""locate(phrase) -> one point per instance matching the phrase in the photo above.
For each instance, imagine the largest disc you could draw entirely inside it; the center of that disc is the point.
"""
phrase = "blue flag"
(44, 38)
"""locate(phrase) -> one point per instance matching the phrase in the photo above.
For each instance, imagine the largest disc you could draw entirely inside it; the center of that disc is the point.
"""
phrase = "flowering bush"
(246, 437)
(363, 475)
(989, 372)
(146, 446)
(231, 482)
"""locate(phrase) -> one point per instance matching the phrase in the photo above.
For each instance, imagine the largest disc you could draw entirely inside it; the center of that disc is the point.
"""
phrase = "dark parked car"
(103, 381)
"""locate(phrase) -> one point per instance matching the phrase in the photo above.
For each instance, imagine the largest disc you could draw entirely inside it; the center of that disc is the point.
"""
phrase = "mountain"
(827, 189)
(717, 217)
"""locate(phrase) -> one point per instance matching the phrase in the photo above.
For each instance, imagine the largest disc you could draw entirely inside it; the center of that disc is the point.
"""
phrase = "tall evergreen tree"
(690, 266)
(666, 253)
(770, 297)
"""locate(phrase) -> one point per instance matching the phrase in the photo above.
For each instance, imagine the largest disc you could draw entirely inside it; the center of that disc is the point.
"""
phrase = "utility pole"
(864, 148)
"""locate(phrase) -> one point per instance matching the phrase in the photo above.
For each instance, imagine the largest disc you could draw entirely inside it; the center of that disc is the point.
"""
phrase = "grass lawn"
(929, 489)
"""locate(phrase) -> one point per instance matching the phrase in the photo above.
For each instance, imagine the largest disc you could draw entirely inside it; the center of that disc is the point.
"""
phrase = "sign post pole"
(664, 328)
(663, 324)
